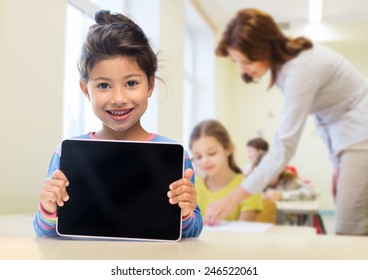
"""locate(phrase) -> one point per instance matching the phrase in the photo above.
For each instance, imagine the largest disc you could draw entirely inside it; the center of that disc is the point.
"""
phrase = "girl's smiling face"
(209, 155)
(119, 90)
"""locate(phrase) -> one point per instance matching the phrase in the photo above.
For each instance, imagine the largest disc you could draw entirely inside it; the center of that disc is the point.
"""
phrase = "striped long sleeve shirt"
(45, 223)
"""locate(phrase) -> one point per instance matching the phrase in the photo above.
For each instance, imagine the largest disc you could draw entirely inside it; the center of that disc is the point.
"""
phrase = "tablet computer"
(118, 190)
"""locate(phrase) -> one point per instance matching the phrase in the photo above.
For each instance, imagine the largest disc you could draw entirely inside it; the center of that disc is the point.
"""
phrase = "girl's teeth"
(119, 113)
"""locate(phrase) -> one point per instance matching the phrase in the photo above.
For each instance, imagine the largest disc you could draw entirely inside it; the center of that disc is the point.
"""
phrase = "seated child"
(212, 151)
(254, 147)
(288, 186)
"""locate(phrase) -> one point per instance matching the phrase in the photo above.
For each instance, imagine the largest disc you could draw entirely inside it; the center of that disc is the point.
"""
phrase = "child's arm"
(275, 195)
(53, 194)
(182, 192)
(193, 224)
(248, 216)
(44, 224)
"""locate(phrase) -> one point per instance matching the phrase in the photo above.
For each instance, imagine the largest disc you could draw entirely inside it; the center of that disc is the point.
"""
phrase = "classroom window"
(198, 97)
(78, 117)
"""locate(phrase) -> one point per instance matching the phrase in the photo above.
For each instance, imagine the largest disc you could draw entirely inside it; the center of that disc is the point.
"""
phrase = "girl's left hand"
(182, 192)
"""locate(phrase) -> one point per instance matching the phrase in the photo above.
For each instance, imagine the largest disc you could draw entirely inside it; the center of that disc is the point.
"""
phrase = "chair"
(268, 213)
(318, 224)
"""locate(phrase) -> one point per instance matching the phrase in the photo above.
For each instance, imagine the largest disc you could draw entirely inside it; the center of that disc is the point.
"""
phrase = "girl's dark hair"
(116, 35)
(258, 143)
(215, 129)
(257, 36)
(287, 176)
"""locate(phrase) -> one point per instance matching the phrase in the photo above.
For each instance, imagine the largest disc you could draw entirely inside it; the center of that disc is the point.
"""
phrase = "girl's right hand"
(54, 193)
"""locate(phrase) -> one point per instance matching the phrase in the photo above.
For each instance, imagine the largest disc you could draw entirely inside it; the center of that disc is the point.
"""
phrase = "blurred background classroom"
(41, 102)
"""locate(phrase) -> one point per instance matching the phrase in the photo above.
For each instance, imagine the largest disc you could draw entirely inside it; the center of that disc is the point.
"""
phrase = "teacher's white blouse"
(320, 82)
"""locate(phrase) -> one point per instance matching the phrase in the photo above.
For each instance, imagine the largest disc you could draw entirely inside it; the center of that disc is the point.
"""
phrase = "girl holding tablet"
(117, 75)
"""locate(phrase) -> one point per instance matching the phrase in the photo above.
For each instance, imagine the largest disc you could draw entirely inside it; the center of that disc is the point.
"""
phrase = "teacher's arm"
(220, 209)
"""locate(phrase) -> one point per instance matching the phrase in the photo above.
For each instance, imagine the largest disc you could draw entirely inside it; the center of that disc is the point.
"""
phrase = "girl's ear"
(84, 88)
(151, 86)
(229, 150)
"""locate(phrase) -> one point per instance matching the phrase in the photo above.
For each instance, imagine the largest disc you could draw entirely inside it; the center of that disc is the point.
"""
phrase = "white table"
(308, 208)
(18, 241)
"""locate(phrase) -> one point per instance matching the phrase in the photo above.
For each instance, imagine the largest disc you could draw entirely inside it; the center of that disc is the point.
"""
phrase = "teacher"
(313, 80)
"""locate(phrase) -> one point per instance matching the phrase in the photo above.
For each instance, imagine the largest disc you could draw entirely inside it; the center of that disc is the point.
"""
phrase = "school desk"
(308, 208)
(18, 242)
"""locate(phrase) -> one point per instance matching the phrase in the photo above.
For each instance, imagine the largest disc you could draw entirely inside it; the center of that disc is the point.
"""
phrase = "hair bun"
(103, 17)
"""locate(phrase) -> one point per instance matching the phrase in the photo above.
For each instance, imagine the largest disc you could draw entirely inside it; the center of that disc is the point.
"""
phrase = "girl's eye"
(197, 158)
(131, 83)
(103, 85)
(212, 154)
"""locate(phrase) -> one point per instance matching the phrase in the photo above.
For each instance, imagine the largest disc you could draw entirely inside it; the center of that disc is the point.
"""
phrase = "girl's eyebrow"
(101, 78)
(133, 75)
(129, 76)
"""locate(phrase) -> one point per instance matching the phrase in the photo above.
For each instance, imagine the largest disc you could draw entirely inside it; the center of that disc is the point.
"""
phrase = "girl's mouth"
(207, 168)
(119, 114)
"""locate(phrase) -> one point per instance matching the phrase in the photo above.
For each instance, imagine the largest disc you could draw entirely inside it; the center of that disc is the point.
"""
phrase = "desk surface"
(17, 241)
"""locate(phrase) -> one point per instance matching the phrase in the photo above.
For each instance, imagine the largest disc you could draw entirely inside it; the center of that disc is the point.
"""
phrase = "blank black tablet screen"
(119, 189)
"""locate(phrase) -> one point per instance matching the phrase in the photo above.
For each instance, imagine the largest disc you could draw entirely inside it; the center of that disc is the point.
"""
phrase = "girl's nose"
(119, 97)
(205, 159)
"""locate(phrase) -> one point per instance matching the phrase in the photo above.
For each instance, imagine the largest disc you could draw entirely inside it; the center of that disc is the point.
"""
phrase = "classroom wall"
(31, 78)
(172, 34)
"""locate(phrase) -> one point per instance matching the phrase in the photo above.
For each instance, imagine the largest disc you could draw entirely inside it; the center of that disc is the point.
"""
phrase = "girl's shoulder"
(163, 139)
(90, 135)
(238, 178)
(160, 138)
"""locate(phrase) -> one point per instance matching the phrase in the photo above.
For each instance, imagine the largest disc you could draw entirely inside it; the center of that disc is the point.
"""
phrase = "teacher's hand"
(222, 208)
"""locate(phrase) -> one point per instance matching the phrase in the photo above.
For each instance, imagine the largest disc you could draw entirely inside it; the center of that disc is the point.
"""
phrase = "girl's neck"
(220, 180)
(109, 134)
